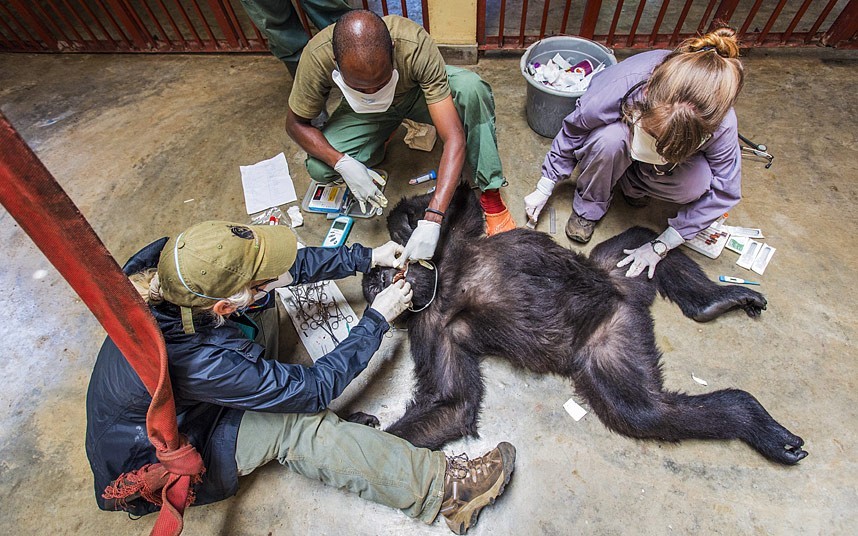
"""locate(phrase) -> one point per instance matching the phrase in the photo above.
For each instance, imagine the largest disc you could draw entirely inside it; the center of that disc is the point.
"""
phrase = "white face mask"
(366, 103)
(283, 281)
(643, 147)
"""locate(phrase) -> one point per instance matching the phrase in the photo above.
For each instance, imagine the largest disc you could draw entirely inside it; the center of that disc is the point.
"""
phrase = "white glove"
(647, 256)
(387, 254)
(535, 202)
(421, 245)
(394, 300)
(362, 182)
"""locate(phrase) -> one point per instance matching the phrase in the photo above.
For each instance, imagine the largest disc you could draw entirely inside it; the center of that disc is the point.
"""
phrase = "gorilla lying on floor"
(520, 296)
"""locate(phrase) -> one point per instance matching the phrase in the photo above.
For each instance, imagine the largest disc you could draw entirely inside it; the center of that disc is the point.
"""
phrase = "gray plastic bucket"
(547, 107)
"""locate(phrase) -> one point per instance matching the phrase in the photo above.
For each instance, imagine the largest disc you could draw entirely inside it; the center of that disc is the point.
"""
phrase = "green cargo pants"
(376, 465)
(279, 23)
(363, 136)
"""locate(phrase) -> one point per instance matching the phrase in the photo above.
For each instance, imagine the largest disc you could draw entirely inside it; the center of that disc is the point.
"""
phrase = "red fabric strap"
(32, 196)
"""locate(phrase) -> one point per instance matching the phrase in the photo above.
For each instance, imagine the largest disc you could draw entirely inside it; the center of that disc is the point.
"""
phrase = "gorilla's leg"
(449, 390)
(621, 379)
(679, 279)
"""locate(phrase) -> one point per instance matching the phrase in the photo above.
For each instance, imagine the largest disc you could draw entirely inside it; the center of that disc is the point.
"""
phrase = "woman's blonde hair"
(690, 92)
(148, 285)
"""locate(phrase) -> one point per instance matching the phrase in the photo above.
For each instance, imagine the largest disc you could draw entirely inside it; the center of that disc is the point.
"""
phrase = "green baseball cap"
(215, 259)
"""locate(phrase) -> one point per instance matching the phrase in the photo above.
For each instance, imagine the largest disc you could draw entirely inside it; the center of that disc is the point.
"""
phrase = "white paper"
(267, 184)
(573, 409)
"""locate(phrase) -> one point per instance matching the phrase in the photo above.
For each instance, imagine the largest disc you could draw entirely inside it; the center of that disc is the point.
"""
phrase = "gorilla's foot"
(752, 302)
(782, 446)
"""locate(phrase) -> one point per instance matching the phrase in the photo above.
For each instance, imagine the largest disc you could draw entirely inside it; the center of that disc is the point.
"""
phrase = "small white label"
(573, 409)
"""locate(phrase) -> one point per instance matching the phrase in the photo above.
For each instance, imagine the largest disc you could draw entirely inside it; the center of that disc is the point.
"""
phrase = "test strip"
(763, 258)
(746, 260)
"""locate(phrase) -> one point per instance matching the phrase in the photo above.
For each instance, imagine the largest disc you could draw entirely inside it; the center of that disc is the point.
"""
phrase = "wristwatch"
(659, 247)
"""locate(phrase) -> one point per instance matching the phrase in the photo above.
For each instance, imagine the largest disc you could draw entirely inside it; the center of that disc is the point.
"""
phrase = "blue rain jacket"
(217, 374)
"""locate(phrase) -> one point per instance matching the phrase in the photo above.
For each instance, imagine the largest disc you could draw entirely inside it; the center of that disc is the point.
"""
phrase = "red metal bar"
(544, 19)
(24, 44)
(750, 18)
(845, 27)
(822, 16)
(774, 17)
(135, 32)
(157, 24)
(235, 25)
(384, 8)
(658, 21)
(80, 21)
(724, 13)
(614, 22)
(481, 21)
(566, 11)
(62, 19)
(36, 24)
(637, 21)
(404, 7)
(190, 24)
(116, 25)
(674, 38)
(590, 18)
(214, 45)
(705, 16)
(523, 23)
(795, 20)
(150, 42)
(424, 7)
(500, 22)
(223, 22)
(100, 25)
(179, 36)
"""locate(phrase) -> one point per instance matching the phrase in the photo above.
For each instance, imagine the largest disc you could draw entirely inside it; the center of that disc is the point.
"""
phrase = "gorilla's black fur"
(520, 296)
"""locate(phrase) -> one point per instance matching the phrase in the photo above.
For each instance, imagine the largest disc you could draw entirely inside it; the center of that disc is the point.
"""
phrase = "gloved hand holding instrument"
(535, 201)
(394, 300)
(421, 245)
(362, 182)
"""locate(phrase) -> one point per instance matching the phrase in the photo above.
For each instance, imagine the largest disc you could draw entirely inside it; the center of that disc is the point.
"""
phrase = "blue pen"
(728, 279)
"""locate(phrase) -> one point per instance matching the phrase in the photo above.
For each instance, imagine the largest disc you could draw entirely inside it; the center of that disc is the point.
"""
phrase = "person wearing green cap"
(241, 407)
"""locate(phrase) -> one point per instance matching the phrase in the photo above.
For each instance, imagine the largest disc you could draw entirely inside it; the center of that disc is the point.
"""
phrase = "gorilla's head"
(423, 283)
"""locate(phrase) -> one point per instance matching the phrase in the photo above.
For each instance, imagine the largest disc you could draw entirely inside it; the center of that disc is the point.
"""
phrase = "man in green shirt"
(388, 70)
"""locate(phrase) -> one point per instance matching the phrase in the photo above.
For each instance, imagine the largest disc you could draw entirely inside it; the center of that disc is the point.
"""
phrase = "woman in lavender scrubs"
(659, 124)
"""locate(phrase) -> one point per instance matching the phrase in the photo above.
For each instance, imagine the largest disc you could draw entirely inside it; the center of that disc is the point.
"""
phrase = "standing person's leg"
(281, 26)
(375, 465)
(602, 160)
(475, 104)
(323, 13)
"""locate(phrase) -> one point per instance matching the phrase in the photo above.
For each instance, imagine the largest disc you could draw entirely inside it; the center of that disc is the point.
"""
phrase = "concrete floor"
(131, 138)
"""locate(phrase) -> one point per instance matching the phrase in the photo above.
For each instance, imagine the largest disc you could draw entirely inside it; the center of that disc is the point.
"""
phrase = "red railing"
(503, 24)
(151, 25)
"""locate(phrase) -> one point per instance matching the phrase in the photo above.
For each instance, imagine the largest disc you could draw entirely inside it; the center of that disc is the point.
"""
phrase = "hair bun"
(723, 40)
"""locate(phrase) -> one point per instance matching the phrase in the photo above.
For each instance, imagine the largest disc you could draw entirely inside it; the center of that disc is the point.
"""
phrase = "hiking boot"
(500, 222)
(579, 228)
(636, 202)
(470, 485)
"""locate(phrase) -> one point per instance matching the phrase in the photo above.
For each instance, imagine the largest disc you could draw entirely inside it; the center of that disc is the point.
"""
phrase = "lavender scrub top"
(600, 105)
